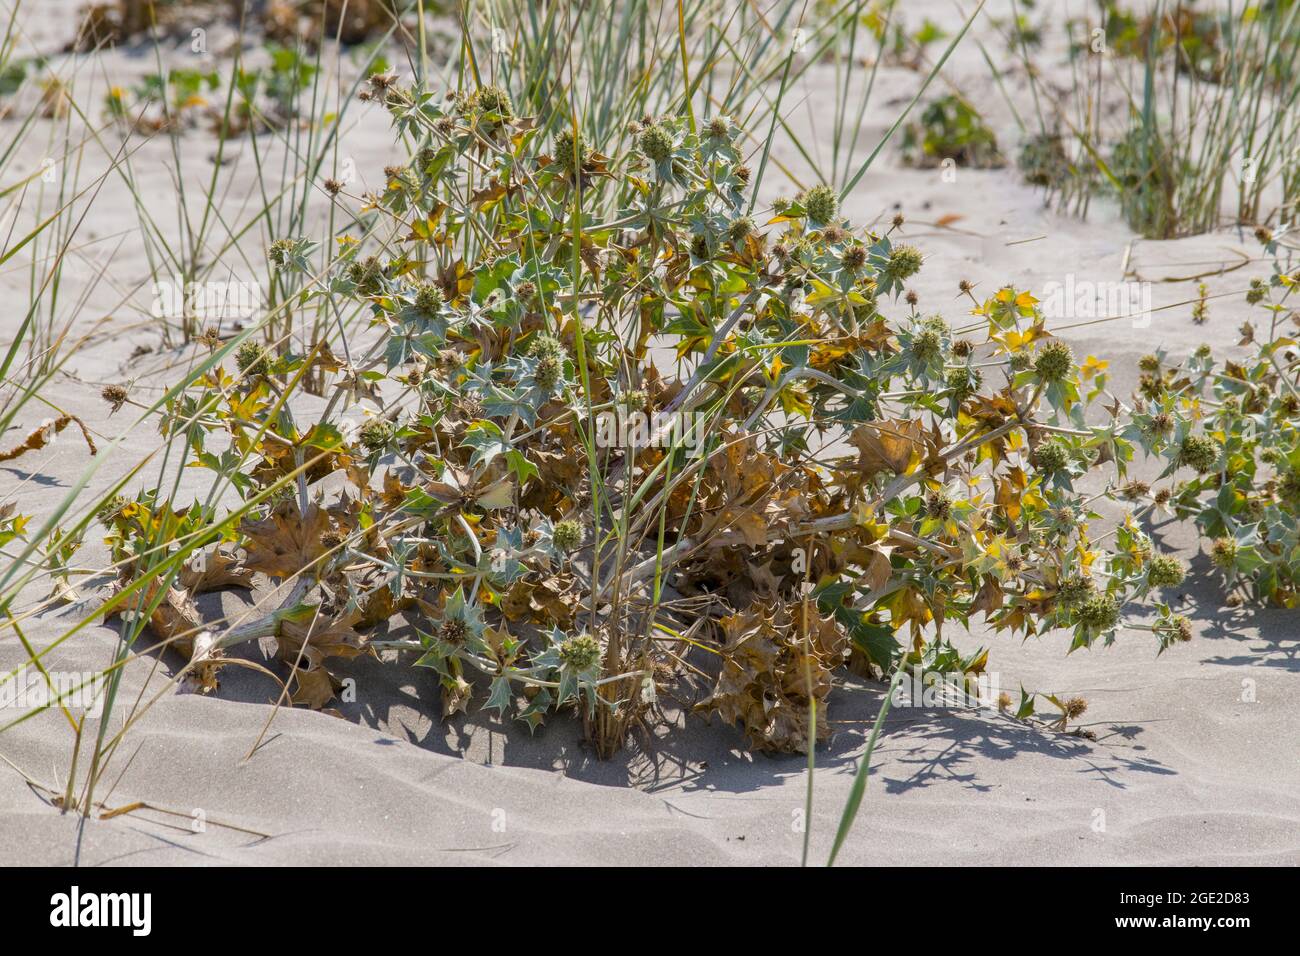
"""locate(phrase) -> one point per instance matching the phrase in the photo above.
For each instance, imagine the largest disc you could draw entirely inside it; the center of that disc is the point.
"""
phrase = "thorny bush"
(865, 475)
(1235, 428)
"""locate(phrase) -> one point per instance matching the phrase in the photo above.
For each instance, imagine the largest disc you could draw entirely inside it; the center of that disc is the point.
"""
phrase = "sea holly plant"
(1229, 435)
(860, 474)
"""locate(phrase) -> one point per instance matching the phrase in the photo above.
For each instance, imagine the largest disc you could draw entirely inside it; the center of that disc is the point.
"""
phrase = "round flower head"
(1151, 386)
(937, 323)
(366, 274)
(549, 371)
(450, 360)
(854, 258)
(571, 152)
(1065, 519)
(1160, 425)
(1074, 590)
(1224, 553)
(904, 262)
(454, 631)
(427, 298)
(781, 205)
(719, 127)
(1098, 611)
(375, 434)
(1199, 453)
(927, 346)
(280, 252)
(567, 534)
(821, 203)
(493, 99)
(964, 381)
(546, 345)
(1149, 363)
(1288, 488)
(115, 395)
(1075, 707)
(1165, 571)
(1054, 361)
(656, 142)
(740, 229)
(1134, 490)
(1177, 628)
(1051, 456)
(938, 504)
(252, 359)
(580, 653)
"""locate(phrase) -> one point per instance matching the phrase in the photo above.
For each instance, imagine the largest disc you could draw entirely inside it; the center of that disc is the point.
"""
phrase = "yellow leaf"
(1092, 366)
(795, 402)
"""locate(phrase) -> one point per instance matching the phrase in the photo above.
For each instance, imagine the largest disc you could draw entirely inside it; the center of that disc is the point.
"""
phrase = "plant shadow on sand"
(37, 478)
(946, 747)
(920, 748)
(1266, 636)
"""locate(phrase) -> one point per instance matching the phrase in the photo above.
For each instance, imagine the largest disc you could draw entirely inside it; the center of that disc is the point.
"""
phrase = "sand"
(1194, 760)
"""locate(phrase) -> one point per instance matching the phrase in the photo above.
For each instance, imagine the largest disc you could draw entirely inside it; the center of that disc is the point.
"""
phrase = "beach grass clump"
(1208, 133)
(1209, 125)
(1065, 172)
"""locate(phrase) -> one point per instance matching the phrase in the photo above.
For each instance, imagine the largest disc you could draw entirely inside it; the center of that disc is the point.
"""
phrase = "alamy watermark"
(212, 300)
(932, 689)
(29, 689)
(74, 909)
(627, 428)
(1085, 299)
